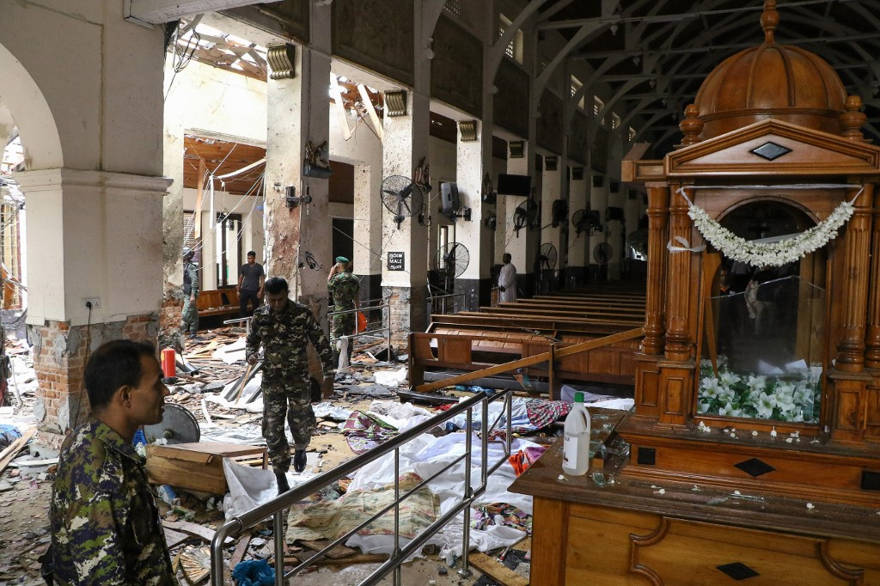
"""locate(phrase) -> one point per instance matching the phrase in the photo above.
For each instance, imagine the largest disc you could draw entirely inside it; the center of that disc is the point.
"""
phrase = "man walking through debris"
(104, 522)
(250, 284)
(190, 324)
(284, 328)
(344, 288)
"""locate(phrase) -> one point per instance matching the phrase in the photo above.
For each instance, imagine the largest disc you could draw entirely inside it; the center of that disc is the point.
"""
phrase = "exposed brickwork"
(60, 354)
(170, 314)
(407, 312)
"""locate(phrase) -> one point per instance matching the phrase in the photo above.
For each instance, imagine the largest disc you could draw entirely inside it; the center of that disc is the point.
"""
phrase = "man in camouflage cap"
(104, 521)
(190, 323)
(284, 328)
(344, 288)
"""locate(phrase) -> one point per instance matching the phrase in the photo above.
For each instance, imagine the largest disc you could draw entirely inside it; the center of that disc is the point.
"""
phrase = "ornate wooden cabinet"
(754, 447)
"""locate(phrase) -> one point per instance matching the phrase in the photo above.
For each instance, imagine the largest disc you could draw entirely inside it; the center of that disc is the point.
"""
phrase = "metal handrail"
(386, 330)
(443, 302)
(277, 506)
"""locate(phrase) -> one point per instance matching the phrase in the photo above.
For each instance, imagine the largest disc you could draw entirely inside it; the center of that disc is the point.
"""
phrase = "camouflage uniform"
(104, 521)
(285, 338)
(190, 324)
(344, 289)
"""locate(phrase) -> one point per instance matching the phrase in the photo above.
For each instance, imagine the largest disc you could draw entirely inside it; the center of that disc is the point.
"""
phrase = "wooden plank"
(174, 538)
(336, 553)
(532, 360)
(240, 550)
(194, 529)
(15, 447)
(496, 570)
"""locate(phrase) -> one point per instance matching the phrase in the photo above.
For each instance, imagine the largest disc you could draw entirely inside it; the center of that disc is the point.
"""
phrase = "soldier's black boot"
(283, 486)
(299, 460)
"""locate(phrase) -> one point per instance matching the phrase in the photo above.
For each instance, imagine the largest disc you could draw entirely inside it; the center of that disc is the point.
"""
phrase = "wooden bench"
(218, 302)
(472, 340)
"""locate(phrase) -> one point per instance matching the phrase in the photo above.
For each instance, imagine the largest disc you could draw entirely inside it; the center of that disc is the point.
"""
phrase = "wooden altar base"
(669, 532)
(786, 464)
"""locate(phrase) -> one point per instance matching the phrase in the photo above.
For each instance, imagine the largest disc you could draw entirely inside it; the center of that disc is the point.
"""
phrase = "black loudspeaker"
(449, 202)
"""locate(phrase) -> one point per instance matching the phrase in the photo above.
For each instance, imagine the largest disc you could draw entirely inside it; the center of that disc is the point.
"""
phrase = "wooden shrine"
(753, 452)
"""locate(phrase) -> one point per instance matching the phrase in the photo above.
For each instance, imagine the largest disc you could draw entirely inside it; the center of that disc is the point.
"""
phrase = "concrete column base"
(408, 312)
(60, 354)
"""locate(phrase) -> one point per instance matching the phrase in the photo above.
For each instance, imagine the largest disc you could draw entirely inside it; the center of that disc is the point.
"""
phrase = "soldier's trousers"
(190, 322)
(293, 403)
(342, 325)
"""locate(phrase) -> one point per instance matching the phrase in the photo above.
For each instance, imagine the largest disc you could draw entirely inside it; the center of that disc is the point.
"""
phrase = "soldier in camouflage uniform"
(104, 521)
(284, 328)
(344, 288)
(190, 324)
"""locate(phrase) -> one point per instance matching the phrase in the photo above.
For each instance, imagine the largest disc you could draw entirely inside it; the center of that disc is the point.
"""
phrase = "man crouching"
(104, 521)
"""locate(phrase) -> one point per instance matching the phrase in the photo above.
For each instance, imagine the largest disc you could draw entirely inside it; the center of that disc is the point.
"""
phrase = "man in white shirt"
(507, 280)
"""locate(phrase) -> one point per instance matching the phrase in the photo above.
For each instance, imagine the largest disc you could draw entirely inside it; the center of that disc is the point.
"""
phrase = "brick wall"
(170, 314)
(60, 355)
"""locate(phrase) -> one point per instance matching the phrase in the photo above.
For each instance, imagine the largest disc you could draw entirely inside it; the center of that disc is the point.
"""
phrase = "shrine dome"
(771, 81)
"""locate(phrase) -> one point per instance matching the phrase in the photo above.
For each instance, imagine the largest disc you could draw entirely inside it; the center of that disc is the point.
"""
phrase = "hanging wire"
(182, 56)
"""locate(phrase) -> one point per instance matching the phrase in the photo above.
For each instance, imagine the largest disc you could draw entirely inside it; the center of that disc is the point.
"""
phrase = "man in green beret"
(344, 288)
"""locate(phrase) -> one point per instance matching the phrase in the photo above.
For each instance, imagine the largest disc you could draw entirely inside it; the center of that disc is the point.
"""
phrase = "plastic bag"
(361, 322)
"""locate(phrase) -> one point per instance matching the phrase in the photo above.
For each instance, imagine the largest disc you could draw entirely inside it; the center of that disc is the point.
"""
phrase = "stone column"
(577, 242)
(405, 144)
(298, 239)
(550, 191)
(520, 246)
(98, 240)
(368, 228)
(472, 162)
(598, 203)
(616, 234)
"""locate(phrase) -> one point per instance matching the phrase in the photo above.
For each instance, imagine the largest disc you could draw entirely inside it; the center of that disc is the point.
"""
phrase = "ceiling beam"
(150, 12)
(661, 18)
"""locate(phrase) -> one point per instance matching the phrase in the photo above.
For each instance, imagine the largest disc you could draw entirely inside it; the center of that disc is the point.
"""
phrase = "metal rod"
(278, 529)
(388, 331)
(484, 443)
(396, 513)
(468, 493)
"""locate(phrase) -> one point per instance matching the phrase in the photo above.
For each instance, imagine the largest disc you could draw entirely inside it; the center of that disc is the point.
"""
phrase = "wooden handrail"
(532, 360)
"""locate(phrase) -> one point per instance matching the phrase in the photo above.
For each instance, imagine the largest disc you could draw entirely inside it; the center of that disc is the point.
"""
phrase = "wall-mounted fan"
(402, 197)
(450, 262)
(527, 215)
(491, 222)
(559, 212)
(545, 263)
(602, 253)
(547, 257)
(581, 221)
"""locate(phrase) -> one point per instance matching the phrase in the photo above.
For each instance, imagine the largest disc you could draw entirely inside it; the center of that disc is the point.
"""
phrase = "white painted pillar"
(472, 160)
(550, 234)
(616, 234)
(298, 239)
(520, 245)
(577, 243)
(598, 203)
(405, 144)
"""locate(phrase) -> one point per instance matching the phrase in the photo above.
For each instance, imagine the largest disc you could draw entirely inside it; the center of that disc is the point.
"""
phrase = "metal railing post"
(278, 530)
(396, 513)
(464, 572)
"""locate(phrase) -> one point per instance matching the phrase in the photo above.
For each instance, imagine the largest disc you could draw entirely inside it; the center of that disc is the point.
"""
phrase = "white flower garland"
(762, 254)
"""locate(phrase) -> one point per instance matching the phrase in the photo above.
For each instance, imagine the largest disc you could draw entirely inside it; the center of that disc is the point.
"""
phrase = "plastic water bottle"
(576, 449)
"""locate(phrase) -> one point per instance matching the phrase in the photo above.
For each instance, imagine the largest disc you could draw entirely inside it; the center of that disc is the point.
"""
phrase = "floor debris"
(221, 392)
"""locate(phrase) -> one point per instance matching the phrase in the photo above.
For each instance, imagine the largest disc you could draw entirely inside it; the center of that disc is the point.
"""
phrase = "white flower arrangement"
(792, 397)
(762, 254)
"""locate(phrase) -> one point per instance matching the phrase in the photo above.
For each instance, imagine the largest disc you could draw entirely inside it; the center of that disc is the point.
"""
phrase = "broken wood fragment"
(496, 570)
